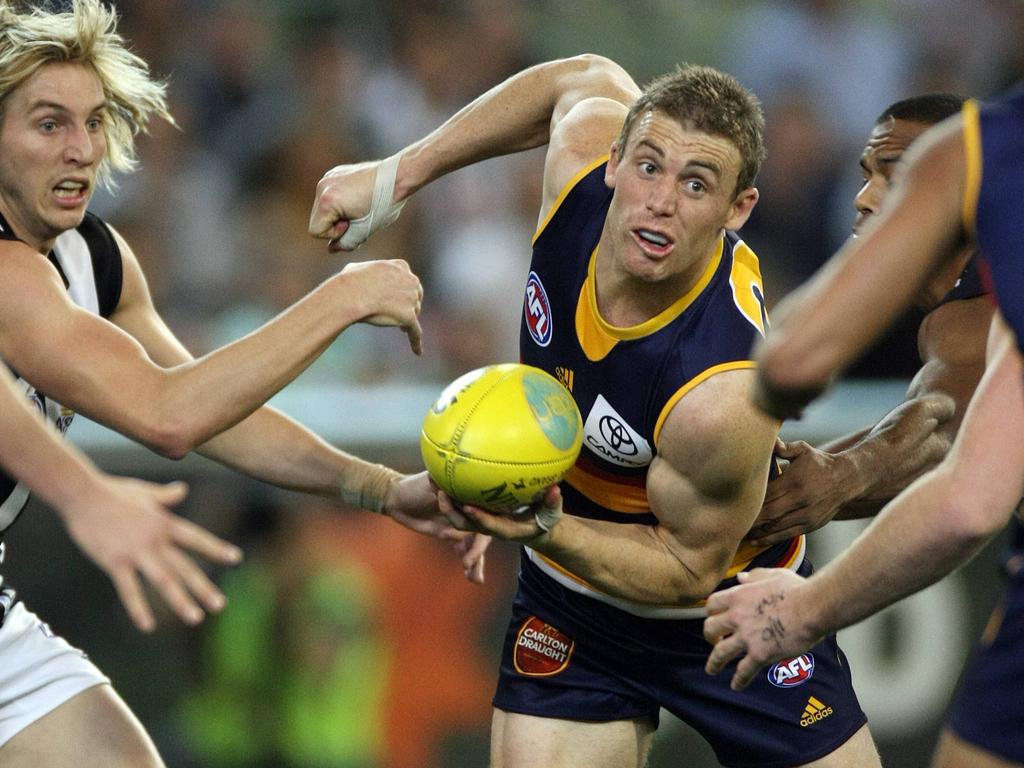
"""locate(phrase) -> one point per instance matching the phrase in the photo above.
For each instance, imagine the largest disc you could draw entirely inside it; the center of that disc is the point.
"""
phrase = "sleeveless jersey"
(969, 285)
(627, 380)
(89, 262)
(994, 149)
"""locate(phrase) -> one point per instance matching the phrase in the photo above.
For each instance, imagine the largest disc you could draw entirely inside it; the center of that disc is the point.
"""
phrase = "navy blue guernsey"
(627, 380)
(969, 285)
(994, 148)
(89, 263)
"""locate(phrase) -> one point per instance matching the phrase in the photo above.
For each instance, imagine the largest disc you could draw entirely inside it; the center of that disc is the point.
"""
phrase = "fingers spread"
(191, 536)
(162, 577)
(129, 590)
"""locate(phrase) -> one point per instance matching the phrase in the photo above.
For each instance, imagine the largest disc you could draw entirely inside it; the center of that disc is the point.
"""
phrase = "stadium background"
(350, 642)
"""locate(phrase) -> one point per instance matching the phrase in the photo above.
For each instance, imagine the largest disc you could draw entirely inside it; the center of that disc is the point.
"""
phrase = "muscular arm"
(937, 524)
(813, 334)
(94, 367)
(705, 487)
(272, 447)
(520, 113)
(860, 476)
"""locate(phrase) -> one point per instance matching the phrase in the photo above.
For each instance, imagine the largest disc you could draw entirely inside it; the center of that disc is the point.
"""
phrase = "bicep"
(586, 120)
(76, 357)
(708, 481)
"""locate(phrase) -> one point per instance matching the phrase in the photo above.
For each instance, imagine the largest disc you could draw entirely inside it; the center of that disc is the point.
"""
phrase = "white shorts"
(38, 671)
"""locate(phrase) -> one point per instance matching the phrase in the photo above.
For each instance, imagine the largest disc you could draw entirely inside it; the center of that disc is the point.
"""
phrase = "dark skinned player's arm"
(856, 476)
(952, 341)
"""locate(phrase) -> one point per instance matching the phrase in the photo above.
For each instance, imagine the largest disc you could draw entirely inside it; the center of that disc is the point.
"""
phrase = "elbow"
(171, 437)
(970, 517)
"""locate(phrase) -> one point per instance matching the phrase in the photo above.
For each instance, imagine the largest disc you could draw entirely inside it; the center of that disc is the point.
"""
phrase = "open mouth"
(652, 242)
(70, 191)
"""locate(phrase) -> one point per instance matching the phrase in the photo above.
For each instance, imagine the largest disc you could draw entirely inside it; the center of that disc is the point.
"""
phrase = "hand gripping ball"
(499, 436)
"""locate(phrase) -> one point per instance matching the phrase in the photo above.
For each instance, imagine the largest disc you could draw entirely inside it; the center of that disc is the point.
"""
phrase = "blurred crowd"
(349, 642)
(268, 94)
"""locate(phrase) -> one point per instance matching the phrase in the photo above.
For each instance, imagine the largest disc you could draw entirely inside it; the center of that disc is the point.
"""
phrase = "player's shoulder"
(736, 307)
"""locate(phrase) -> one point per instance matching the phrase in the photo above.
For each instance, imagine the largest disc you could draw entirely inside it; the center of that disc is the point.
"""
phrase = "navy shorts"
(987, 710)
(572, 657)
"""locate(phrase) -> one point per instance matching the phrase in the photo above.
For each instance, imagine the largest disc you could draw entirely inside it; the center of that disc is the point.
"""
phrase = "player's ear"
(613, 165)
(742, 206)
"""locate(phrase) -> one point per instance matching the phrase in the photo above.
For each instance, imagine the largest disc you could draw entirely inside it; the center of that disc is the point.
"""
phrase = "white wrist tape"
(382, 210)
(366, 485)
(547, 518)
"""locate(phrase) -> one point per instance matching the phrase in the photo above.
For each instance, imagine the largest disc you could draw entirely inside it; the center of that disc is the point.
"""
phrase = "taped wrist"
(383, 211)
(366, 485)
(547, 517)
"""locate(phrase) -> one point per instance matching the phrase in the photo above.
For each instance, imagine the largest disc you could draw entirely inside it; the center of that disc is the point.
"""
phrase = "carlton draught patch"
(541, 650)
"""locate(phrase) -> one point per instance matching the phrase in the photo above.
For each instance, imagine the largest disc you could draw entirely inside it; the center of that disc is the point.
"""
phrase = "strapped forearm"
(272, 447)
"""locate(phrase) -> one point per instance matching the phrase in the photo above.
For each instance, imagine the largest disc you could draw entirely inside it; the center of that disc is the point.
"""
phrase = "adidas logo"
(814, 711)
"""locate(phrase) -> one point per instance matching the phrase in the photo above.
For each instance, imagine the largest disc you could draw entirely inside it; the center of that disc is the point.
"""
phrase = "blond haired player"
(78, 325)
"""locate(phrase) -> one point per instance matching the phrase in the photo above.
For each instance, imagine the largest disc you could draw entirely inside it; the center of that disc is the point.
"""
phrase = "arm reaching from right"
(121, 524)
(934, 526)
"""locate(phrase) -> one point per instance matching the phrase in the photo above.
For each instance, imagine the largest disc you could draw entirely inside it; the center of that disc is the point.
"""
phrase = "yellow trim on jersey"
(594, 340)
(746, 273)
(565, 191)
(972, 171)
(597, 336)
(704, 375)
(746, 553)
(610, 495)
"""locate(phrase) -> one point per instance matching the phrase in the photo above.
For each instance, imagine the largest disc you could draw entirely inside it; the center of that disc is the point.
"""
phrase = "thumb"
(786, 450)
(758, 574)
(171, 494)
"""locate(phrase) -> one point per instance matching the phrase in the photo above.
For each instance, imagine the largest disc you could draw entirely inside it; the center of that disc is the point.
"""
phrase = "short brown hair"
(713, 102)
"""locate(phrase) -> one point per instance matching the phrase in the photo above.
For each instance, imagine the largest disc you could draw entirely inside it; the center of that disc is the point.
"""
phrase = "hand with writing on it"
(760, 621)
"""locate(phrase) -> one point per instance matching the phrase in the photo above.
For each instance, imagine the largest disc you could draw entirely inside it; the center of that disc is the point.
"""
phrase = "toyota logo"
(617, 436)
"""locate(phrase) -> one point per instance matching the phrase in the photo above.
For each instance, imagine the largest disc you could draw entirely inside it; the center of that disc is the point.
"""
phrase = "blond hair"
(85, 34)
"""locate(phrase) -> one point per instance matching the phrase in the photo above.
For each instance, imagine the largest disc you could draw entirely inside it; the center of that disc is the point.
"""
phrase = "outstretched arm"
(936, 525)
(272, 447)
(121, 524)
(518, 114)
(822, 326)
(106, 374)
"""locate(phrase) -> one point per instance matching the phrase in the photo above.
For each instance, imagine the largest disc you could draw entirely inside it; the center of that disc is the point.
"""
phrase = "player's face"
(674, 193)
(889, 140)
(51, 145)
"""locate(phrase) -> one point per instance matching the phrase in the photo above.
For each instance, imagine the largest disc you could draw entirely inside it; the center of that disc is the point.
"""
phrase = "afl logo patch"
(537, 310)
(541, 650)
(792, 672)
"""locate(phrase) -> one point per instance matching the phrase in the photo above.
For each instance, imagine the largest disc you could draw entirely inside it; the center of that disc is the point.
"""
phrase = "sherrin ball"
(499, 436)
